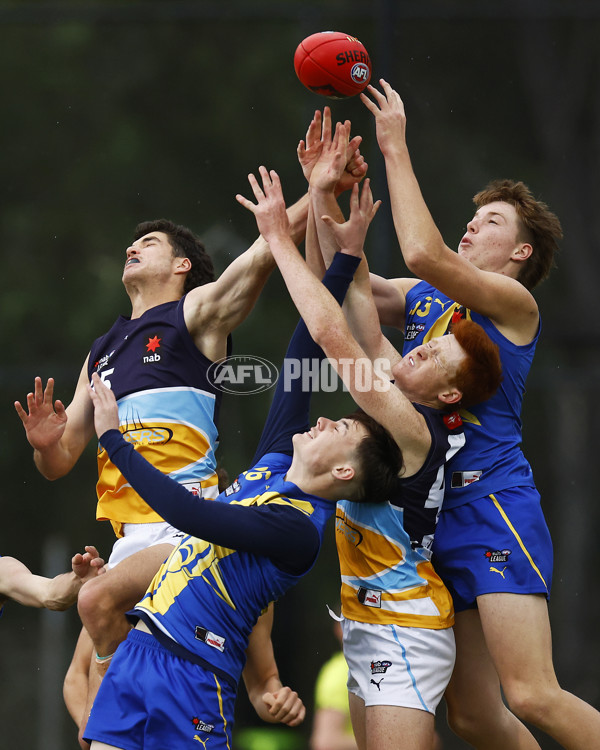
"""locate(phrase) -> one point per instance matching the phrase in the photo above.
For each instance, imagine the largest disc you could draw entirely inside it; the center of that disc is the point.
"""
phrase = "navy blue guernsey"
(247, 548)
(168, 408)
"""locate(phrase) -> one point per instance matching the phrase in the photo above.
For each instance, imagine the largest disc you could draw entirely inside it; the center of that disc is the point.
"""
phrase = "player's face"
(329, 443)
(149, 256)
(492, 237)
(429, 369)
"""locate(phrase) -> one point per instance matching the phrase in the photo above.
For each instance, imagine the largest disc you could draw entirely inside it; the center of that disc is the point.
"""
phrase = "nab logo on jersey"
(152, 345)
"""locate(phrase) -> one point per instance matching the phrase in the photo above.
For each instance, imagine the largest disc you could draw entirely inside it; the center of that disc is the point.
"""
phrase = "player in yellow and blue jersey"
(174, 679)
(397, 603)
(492, 546)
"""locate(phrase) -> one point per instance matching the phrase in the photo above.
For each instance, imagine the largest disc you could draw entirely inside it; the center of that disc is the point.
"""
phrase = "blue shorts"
(496, 544)
(152, 699)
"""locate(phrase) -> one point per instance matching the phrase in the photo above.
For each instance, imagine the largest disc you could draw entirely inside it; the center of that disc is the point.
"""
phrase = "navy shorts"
(152, 699)
(495, 544)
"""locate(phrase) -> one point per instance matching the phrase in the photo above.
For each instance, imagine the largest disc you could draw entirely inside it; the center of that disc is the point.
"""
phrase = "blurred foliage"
(115, 113)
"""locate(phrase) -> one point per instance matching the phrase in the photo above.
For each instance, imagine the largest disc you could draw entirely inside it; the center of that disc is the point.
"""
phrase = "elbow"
(422, 257)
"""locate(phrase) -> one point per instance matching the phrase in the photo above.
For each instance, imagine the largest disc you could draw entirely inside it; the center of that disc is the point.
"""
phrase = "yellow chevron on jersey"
(193, 558)
(385, 581)
(180, 450)
(276, 498)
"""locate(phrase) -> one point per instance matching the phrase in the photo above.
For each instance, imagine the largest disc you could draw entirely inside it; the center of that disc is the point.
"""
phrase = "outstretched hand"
(285, 706)
(318, 139)
(350, 236)
(106, 411)
(87, 565)
(390, 118)
(44, 421)
(269, 209)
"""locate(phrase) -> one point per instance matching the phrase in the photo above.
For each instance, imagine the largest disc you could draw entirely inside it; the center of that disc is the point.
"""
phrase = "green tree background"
(117, 112)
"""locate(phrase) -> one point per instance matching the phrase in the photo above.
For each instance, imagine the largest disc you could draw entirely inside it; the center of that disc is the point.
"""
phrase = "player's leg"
(358, 719)
(104, 600)
(517, 633)
(102, 609)
(476, 711)
(103, 746)
(393, 727)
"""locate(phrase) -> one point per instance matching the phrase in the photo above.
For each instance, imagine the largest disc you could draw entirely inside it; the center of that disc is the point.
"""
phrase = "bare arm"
(329, 329)
(58, 435)
(271, 700)
(501, 298)
(214, 310)
(18, 583)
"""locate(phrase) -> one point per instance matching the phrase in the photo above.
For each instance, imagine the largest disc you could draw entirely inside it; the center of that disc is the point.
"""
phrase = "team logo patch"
(380, 667)
(369, 598)
(202, 726)
(453, 420)
(498, 556)
(152, 355)
(233, 488)
(211, 639)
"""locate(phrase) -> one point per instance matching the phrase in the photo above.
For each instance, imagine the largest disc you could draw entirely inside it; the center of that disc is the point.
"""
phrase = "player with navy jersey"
(397, 613)
(492, 545)
(157, 361)
(260, 536)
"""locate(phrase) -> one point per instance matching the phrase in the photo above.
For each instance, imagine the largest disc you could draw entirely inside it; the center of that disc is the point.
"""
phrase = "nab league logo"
(243, 374)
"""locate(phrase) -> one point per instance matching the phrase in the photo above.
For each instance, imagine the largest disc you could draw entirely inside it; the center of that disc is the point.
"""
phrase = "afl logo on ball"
(360, 73)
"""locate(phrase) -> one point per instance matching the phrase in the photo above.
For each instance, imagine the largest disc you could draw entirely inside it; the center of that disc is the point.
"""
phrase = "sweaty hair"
(185, 244)
(379, 461)
(480, 375)
(539, 227)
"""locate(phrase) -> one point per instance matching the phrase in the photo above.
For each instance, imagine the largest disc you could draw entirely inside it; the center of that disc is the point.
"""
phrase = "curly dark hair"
(185, 244)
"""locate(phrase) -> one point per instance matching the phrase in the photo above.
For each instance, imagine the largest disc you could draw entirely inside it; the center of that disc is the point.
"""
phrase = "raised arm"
(57, 435)
(328, 327)
(495, 295)
(214, 310)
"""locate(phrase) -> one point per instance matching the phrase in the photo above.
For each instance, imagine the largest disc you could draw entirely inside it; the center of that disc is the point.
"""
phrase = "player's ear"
(344, 473)
(451, 396)
(522, 251)
(183, 265)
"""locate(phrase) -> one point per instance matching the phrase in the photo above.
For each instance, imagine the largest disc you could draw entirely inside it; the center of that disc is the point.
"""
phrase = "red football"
(333, 64)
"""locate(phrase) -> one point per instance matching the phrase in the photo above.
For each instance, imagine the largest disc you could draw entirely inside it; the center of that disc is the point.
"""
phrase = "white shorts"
(398, 666)
(139, 536)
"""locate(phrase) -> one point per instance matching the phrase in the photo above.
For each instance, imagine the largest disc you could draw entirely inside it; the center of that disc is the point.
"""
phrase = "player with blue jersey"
(397, 613)
(260, 536)
(492, 545)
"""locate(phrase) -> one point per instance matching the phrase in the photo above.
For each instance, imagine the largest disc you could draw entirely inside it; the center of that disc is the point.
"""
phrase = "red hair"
(480, 375)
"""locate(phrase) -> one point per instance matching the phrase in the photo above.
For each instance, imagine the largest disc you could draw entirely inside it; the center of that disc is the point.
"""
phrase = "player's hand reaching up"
(350, 236)
(269, 209)
(44, 420)
(106, 411)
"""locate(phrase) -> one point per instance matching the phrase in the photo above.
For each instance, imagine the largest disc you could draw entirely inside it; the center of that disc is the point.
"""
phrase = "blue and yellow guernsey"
(385, 548)
(168, 408)
(492, 459)
(247, 547)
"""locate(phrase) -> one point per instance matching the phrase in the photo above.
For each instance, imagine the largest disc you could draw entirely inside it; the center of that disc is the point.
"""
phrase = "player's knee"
(465, 723)
(95, 605)
(528, 702)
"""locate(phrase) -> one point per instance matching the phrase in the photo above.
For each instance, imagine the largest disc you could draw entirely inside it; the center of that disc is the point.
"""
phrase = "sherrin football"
(333, 64)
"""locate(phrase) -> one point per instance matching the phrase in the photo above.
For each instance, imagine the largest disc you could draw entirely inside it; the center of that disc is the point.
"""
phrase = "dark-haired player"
(261, 535)
(156, 363)
(492, 546)
(397, 612)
